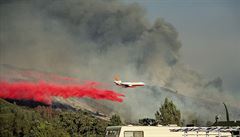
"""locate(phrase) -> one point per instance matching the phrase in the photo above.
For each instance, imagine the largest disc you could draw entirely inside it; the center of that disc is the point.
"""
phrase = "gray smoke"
(96, 39)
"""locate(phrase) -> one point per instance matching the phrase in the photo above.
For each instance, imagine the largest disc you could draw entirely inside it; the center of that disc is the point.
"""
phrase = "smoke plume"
(96, 39)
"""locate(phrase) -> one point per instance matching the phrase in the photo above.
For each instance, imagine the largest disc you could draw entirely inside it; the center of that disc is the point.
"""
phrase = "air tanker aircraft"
(118, 82)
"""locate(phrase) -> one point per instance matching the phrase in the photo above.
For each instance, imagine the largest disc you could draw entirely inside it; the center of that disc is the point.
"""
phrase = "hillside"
(129, 110)
(44, 121)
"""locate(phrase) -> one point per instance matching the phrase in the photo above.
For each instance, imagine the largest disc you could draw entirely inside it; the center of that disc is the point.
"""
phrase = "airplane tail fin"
(117, 78)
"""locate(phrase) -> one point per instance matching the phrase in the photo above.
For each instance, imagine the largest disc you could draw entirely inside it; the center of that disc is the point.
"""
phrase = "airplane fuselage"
(129, 84)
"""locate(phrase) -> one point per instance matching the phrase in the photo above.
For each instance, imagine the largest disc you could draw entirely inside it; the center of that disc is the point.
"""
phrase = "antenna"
(227, 114)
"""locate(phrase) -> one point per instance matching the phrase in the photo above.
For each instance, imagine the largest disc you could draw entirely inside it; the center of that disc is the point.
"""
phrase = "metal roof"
(205, 129)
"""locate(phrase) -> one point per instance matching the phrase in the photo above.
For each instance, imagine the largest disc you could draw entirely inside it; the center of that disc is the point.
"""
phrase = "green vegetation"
(168, 114)
(115, 120)
(147, 122)
(45, 121)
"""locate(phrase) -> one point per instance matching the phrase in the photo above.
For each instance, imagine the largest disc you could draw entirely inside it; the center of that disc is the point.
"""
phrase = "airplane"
(118, 82)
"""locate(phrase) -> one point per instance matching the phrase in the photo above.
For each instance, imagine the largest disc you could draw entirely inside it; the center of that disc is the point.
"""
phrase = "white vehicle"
(118, 82)
(164, 131)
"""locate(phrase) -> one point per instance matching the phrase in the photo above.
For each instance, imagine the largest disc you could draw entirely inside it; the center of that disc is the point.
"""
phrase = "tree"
(41, 122)
(168, 114)
(115, 120)
(147, 122)
(209, 123)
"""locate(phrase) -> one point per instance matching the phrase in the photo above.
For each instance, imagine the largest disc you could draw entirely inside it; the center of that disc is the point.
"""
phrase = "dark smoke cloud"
(216, 83)
(95, 39)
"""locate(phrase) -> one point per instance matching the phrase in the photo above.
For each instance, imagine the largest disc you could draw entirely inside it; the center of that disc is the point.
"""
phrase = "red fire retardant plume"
(43, 92)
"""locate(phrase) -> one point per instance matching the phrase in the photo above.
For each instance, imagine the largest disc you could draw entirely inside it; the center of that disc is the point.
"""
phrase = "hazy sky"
(209, 31)
(84, 38)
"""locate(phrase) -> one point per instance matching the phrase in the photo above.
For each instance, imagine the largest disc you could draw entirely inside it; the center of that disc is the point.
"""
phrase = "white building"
(169, 131)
